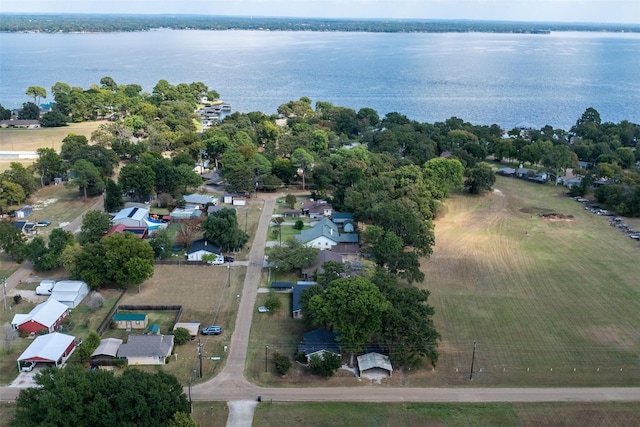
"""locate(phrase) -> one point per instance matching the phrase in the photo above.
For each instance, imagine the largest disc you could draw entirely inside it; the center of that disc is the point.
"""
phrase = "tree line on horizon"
(80, 23)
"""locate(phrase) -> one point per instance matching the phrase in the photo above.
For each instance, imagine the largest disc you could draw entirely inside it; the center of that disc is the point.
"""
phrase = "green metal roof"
(129, 316)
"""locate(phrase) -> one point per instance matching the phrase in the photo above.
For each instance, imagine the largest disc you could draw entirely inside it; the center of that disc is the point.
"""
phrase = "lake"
(509, 79)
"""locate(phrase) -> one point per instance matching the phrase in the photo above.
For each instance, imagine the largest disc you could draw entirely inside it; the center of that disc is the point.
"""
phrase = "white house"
(203, 247)
(70, 292)
(132, 217)
(325, 235)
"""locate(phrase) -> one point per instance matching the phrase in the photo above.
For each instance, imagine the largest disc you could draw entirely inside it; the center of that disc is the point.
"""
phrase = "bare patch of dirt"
(555, 216)
(612, 336)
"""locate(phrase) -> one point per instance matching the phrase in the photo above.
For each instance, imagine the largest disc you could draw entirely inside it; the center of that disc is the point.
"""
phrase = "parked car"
(211, 330)
(44, 223)
(28, 366)
(229, 259)
(263, 309)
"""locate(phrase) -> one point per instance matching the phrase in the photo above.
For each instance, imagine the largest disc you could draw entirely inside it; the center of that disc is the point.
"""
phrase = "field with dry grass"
(549, 302)
(32, 139)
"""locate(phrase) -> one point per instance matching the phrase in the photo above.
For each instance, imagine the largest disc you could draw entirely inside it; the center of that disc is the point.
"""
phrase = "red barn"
(52, 348)
(46, 316)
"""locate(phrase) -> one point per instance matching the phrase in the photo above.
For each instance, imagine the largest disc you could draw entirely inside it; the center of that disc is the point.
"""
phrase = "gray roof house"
(325, 235)
(317, 267)
(146, 349)
(107, 350)
(200, 199)
(319, 341)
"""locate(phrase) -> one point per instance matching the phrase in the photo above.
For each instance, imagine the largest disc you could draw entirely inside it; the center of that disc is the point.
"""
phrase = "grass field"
(32, 139)
(427, 414)
(541, 297)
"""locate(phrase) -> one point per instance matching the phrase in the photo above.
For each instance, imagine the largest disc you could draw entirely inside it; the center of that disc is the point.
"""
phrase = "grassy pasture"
(436, 414)
(541, 297)
(206, 297)
(32, 139)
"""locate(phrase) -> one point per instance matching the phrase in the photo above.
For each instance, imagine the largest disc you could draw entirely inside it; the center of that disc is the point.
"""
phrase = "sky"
(600, 11)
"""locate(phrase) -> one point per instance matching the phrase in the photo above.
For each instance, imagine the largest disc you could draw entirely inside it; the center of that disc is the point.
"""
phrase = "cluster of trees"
(74, 396)
(112, 23)
(374, 309)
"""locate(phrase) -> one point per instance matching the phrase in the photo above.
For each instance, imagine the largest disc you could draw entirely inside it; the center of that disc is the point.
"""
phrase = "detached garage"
(52, 348)
(70, 292)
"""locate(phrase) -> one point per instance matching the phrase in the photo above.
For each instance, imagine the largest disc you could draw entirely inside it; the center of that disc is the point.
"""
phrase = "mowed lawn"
(32, 139)
(548, 302)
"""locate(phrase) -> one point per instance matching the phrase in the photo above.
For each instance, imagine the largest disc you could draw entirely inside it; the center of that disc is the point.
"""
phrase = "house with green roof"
(130, 321)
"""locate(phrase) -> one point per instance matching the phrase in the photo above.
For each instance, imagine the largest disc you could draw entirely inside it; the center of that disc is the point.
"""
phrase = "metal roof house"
(50, 348)
(132, 217)
(318, 342)
(45, 316)
(325, 235)
(297, 293)
(200, 199)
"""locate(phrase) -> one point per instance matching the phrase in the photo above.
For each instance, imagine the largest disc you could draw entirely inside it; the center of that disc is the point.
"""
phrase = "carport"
(50, 348)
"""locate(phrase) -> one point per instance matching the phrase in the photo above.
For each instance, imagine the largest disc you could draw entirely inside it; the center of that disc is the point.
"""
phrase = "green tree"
(272, 302)
(49, 164)
(87, 177)
(407, 331)
(36, 92)
(53, 119)
(88, 346)
(137, 179)
(479, 179)
(10, 194)
(354, 307)
(181, 336)
(325, 365)
(95, 224)
(12, 240)
(161, 243)
(303, 161)
(5, 113)
(293, 255)
(445, 173)
(181, 419)
(221, 228)
(282, 363)
(73, 396)
(113, 196)
(29, 111)
(291, 200)
(22, 176)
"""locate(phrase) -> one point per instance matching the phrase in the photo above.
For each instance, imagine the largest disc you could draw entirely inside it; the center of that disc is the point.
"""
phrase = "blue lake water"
(508, 79)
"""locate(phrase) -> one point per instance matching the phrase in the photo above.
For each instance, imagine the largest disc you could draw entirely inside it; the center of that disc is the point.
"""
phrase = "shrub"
(17, 298)
(300, 357)
(282, 363)
(326, 365)
(272, 302)
(181, 336)
(95, 301)
(299, 225)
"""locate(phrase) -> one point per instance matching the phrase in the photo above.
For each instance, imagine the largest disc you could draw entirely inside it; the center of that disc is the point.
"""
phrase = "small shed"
(130, 321)
(281, 286)
(153, 329)
(192, 327)
(24, 212)
(374, 363)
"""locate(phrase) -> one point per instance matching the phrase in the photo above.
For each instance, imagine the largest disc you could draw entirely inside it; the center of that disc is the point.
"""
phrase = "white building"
(70, 292)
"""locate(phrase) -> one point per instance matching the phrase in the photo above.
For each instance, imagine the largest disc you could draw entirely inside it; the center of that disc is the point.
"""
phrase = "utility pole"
(200, 356)
(473, 358)
(4, 287)
(229, 270)
(266, 358)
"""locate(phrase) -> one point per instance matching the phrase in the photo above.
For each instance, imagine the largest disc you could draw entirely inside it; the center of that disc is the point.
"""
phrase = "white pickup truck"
(45, 287)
